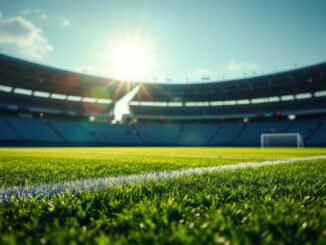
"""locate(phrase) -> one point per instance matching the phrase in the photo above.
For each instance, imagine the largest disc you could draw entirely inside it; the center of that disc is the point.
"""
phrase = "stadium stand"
(251, 133)
(227, 134)
(236, 110)
(306, 127)
(159, 134)
(40, 105)
(318, 136)
(71, 131)
(7, 133)
(116, 134)
(32, 129)
(197, 134)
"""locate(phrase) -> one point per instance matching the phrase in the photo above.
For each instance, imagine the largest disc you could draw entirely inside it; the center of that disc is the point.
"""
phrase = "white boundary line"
(72, 187)
(127, 153)
(177, 155)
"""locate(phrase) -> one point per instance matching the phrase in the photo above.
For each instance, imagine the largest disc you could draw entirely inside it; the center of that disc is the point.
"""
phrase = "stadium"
(87, 158)
(45, 106)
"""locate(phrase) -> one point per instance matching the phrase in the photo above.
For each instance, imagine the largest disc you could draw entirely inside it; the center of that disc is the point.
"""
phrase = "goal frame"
(299, 139)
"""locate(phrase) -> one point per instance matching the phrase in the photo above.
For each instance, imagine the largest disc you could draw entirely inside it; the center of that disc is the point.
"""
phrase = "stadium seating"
(71, 131)
(114, 134)
(22, 129)
(252, 131)
(318, 137)
(306, 127)
(32, 129)
(7, 133)
(159, 134)
(240, 110)
(227, 134)
(197, 134)
(95, 131)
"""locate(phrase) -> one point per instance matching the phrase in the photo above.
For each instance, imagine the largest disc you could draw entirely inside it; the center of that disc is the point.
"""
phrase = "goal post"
(281, 140)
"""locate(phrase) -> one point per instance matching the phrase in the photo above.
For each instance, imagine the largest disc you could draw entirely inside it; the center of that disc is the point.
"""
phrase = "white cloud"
(236, 66)
(27, 37)
(36, 12)
(1, 14)
(64, 21)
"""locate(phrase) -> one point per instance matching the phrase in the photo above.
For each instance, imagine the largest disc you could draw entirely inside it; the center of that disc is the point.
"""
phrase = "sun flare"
(131, 60)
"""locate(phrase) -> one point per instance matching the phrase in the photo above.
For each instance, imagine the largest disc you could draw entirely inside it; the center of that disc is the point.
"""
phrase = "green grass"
(33, 166)
(274, 204)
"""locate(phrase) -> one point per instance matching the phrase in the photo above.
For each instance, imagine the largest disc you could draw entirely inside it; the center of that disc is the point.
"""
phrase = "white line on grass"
(143, 154)
(88, 185)
(175, 155)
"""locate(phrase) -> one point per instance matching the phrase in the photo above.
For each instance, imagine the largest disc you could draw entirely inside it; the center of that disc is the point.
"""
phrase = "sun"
(132, 60)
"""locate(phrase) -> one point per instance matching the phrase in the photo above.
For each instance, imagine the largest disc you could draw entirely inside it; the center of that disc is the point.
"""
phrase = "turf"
(33, 166)
(273, 204)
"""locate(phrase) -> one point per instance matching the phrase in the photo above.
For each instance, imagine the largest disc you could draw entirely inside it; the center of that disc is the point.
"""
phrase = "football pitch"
(163, 195)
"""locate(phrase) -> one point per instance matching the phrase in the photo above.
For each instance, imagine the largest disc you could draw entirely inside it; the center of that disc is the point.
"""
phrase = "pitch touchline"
(78, 186)
(176, 155)
(126, 153)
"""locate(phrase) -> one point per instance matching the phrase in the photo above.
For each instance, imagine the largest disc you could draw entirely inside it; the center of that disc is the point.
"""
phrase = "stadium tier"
(40, 105)
(35, 131)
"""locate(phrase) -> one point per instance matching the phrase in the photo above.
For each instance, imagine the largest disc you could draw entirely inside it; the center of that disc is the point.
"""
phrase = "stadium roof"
(19, 73)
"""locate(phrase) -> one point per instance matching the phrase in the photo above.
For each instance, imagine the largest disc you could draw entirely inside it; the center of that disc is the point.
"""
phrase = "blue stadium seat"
(6, 132)
(95, 131)
(318, 138)
(197, 134)
(72, 131)
(252, 131)
(304, 126)
(117, 134)
(227, 134)
(33, 129)
(159, 134)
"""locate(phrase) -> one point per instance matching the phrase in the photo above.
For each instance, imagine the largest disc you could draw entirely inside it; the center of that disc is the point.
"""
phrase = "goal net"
(281, 140)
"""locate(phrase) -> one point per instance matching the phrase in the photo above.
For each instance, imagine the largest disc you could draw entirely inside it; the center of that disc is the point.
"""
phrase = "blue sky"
(185, 39)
